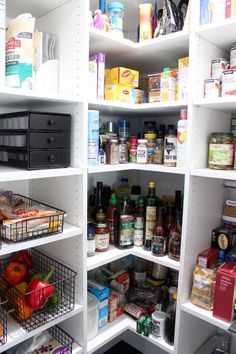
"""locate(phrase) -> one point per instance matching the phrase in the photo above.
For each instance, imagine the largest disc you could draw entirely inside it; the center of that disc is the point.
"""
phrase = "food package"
(92, 80)
(183, 78)
(125, 94)
(154, 83)
(208, 257)
(99, 59)
(203, 287)
(122, 76)
(120, 281)
(20, 52)
(230, 208)
(120, 301)
(170, 17)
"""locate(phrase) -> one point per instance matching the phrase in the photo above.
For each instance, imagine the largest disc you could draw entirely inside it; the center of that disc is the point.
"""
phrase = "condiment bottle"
(142, 151)
(159, 149)
(182, 139)
(139, 223)
(102, 235)
(124, 224)
(170, 145)
(151, 146)
(124, 188)
(175, 238)
(90, 242)
(99, 209)
(150, 215)
(133, 149)
(169, 332)
(111, 217)
(159, 238)
(123, 151)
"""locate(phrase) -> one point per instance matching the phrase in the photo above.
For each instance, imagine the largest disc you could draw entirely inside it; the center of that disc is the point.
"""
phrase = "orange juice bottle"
(146, 21)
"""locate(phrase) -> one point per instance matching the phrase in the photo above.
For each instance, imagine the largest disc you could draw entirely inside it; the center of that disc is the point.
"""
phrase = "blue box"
(100, 291)
(103, 313)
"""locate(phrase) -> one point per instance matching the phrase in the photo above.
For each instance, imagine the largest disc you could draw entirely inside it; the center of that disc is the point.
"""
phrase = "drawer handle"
(51, 122)
(50, 140)
(51, 158)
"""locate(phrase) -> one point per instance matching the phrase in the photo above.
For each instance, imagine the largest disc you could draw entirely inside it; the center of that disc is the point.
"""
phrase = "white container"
(4, 124)
(229, 83)
(9, 123)
(6, 140)
(92, 319)
(211, 88)
(142, 151)
(182, 139)
(158, 324)
(218, 65)
(12, 140)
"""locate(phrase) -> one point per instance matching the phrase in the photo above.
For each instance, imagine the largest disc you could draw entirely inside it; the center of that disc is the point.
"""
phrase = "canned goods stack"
(223, 77)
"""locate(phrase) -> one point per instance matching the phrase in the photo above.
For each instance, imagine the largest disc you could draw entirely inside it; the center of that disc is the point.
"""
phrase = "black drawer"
(49, 140)
(41, 121)
(50, 158)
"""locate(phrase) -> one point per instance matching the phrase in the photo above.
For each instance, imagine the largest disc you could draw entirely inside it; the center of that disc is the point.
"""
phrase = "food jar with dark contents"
(102, 234)
(221, 151)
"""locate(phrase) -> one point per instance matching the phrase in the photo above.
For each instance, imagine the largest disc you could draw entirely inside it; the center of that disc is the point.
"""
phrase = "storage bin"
(3, 319)
(26, 229)
(92, 319)
(61, 302)
(63, 338)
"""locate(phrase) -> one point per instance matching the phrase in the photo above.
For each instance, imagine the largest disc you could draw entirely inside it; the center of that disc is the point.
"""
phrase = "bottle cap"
(113, 200)
(151, 185)
(115, 6)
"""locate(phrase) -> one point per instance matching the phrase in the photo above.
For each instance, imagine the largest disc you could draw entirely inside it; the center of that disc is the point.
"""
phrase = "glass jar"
(113, 152)
(115, 16)
(102, 235)
(142, 151)
(133, 149)
(151, 145)
(221, 151)
(124, 129)
(123, 152)
(90, 242)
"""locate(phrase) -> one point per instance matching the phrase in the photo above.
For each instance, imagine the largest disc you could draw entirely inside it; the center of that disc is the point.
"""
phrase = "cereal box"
(122, 76)
(183, 78)
(154, 83)
(124, 94)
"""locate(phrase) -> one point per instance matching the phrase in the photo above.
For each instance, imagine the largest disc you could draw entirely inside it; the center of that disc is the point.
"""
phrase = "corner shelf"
(223, 104)
(210, 173)
(137, 167)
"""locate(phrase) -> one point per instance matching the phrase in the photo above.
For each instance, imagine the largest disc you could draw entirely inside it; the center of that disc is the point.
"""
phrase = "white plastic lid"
(229, 219)
(158, 316)
(92, 302)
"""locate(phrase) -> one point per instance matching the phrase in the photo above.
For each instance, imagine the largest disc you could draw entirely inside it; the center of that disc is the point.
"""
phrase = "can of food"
(233, 58)
(229, 83)
(211, 88)
(218, 65)
(158, 324)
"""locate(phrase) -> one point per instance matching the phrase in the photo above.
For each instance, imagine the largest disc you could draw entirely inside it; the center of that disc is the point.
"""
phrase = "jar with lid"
(142, 151)
(221, 151)
(159, 150)
(90, 242)
(102, 234)
(123, 151)
(151, 146)
(124, 129)
(115, 16)
(113, 152)
(133, 149)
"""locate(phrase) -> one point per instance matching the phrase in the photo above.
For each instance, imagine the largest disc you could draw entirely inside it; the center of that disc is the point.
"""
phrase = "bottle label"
(158, 245)
(138, 224)
(150, 222)
(132, 154)
(126, 230)
(170, 150)
(91, 247)
(111, 226)
(174, 247)
(102, 241)
(138, 237)
(141, 155)
(221, 154)
(100, 216)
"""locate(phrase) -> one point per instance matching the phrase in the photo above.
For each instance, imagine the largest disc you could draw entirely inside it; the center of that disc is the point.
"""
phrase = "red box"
(225, 292)
(208, 257)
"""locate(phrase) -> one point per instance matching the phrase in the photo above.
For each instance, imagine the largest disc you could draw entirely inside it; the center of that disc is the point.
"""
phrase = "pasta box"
(225, 292)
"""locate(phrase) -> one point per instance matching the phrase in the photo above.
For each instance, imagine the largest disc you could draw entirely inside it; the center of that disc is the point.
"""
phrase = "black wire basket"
(27, 229)
(63, 338)
(42, 305)
(3, 319)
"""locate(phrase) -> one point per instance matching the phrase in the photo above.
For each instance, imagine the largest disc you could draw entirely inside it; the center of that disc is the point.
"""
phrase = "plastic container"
(182, 139)
(146, 21)
(221, 151)
(124, 129)
(115, 16)
(158, 324)
(92, 315)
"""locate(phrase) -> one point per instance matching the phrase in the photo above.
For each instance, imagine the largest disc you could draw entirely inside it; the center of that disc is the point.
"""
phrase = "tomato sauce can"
(212, 88)
(229, 83)
(218, 65)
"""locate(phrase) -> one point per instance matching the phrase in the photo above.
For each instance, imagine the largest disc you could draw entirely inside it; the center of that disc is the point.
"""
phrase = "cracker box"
(124, 94)
(183, 78)
(154, 84)
(122, 76)
(99, 59)
(225, 292)
(208, 257)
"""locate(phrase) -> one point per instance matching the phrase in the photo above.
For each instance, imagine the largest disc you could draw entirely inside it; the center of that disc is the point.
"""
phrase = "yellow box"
(117, 93)
(122, 76)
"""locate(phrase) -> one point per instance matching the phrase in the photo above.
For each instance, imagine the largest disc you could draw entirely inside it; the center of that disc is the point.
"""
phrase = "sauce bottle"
(159, 238)
(175, 238)
(169, 331)
(124, 224)
(170, 147)
(99, 209)
(110, 217)
(150, 215)
(139, 223)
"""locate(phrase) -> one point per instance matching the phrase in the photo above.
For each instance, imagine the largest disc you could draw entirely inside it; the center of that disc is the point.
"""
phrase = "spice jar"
(133, 149)
(123, 151)
(221, 151)
(102, 234)
(151, 145)
(142, 151)
(170, 147)
(113, 152)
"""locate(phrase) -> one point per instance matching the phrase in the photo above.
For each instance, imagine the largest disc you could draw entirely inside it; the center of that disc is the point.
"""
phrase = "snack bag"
(19, 51)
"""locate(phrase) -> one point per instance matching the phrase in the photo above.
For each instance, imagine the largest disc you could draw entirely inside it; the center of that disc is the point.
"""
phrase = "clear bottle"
(113, 152)
(123, 151)
(139, 222)
(170, 146)
(90, 242)
(142, 151)
(110, 215)
(175, 238)
(169, 332)
(159, 238)
(124, 224)
(124, 188)
(150, 215)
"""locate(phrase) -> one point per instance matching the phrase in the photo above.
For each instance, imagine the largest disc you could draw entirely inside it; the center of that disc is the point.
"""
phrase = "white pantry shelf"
(222, 34)
(102, 258)
(161, 52)
(77, 349)
(8, 174)
(223, 104)
(16, 334)
(151, 108)
(204, 315)
(135, 166)
(210, 173)
(17, 98)
(68, 232)
(117, 327)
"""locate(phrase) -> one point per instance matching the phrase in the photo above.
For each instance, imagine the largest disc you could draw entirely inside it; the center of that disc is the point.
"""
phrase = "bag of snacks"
(203, 287)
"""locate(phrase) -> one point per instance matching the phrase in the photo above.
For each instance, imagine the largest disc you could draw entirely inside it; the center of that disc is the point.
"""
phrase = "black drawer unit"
(35, 140)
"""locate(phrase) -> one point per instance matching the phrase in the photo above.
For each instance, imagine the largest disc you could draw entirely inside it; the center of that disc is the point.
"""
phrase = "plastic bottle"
(110, 217)
(98, 19)
(169, 331)
(182, 139)
(115, 15)
(124, 188)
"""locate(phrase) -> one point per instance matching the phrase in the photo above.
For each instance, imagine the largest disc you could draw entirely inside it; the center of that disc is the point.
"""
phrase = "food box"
(208, 257)
(225, 292)
(99, 59)
(92, 80)
(102, 313)
(100, 291)
(183, 78)
(122, 76)
(124, 94)
(223, 239)
(154, 83)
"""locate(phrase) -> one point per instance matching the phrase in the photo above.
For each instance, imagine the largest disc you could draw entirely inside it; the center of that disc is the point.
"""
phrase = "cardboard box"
(183, 78)
(124, 94)
(122, 76)
(102, 313)
(93, 80)
(225, 292)
(154, 85)
(208, 257)
(100, 291)
(99, 59)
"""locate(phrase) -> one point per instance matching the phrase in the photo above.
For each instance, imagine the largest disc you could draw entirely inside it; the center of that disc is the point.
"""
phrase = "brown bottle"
(99, 210)
(159, 238)
(175, 238)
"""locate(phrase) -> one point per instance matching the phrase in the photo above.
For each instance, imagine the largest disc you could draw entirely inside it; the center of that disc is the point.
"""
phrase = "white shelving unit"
(67, 188)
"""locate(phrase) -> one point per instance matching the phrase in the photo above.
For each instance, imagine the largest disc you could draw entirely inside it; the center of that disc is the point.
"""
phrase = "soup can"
(229, 83)
(218, 65)
(212, 88)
